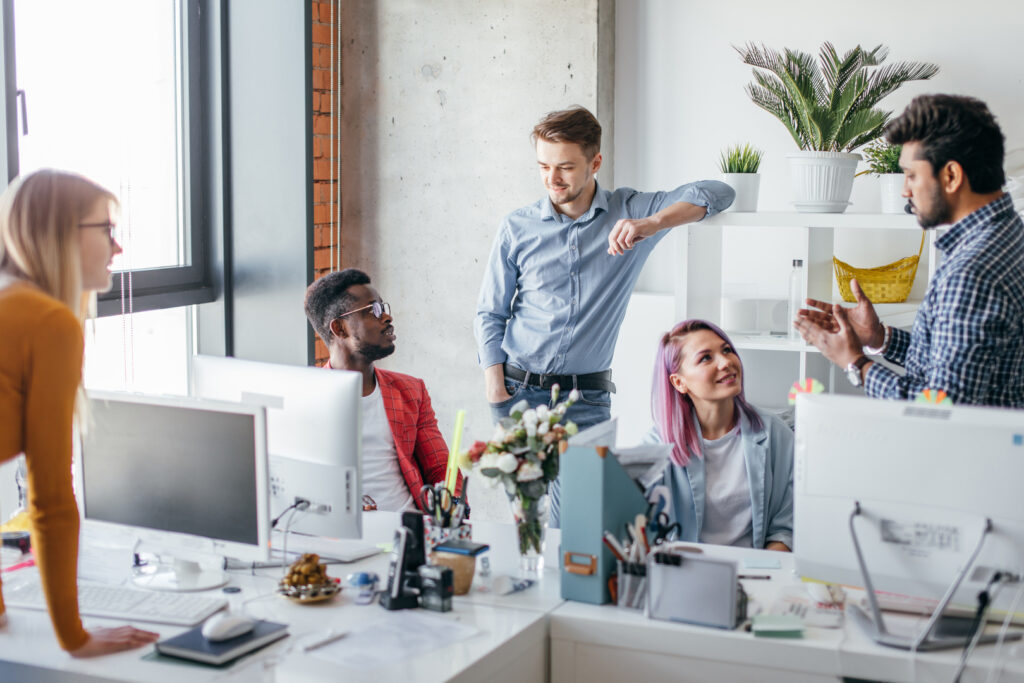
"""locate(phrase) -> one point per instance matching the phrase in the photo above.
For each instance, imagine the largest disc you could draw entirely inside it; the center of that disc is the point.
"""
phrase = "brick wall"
(326, 169)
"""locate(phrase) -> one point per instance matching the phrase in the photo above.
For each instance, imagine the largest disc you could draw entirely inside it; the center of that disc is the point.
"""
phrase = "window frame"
(170, 286)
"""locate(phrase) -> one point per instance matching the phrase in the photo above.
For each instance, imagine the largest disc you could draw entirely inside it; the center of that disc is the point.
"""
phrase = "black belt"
(601, 381)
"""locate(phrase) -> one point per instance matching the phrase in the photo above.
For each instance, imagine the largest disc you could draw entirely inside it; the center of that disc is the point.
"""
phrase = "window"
(110, 89)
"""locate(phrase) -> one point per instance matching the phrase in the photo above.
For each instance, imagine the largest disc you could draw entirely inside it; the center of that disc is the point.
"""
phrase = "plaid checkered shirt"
(968, 336)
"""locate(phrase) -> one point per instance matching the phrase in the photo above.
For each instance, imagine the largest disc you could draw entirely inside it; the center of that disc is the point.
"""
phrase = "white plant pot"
(891, 188)
(821, 182)
(746, 186)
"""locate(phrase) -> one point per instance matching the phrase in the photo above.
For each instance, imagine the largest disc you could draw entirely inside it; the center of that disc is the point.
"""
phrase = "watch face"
(853, 374)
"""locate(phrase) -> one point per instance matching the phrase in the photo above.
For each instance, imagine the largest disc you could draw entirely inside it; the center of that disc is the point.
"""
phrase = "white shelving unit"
(699, 284)
(695, 288)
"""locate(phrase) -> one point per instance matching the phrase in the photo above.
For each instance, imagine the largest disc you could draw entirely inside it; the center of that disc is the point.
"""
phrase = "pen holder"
(463, 567)
(435, 533)
(632, 584)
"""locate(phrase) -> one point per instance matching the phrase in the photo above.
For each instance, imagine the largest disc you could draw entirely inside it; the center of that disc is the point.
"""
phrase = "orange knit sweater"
(41, 346)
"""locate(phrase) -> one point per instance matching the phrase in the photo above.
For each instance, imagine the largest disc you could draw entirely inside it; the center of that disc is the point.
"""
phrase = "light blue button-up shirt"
(552, 298)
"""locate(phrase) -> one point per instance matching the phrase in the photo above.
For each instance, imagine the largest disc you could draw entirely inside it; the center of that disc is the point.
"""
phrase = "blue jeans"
(594, 407)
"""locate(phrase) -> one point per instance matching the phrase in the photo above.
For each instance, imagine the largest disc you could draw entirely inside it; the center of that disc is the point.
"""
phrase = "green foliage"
(882, 158)
(831, 107)
(736, 159)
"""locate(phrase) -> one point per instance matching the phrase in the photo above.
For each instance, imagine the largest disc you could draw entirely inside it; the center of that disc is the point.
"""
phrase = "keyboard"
(129, 604)
(342, 550)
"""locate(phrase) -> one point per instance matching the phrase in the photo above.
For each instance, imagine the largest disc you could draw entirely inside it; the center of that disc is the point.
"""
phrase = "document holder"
(597, 494)
(691, 588)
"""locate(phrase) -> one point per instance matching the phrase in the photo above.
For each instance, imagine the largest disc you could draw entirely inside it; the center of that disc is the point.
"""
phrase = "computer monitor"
(187, 476)
(313, 435)
(925, 478)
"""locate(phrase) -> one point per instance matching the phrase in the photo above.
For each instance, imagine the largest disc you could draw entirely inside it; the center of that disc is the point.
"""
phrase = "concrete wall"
(439, 99)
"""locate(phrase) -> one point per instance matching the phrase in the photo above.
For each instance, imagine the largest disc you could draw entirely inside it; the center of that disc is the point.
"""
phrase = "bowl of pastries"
(307, 581)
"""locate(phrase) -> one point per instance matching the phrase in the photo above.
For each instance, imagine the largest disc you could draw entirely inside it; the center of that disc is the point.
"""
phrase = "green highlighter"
(777, 626)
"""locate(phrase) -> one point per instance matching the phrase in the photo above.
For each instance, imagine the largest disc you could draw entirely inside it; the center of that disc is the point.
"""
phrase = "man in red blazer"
(402, 447)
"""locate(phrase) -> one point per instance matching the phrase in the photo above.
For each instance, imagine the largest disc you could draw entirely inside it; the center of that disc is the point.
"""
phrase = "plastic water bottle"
(797, 295)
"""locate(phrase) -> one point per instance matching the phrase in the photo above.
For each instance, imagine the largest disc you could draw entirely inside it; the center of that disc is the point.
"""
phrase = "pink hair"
(673, 412)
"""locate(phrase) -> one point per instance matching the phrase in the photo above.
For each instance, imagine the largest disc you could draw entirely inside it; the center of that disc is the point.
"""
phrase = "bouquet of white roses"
(523, 455)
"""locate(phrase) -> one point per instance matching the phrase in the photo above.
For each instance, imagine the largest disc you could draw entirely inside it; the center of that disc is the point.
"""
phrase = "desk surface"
(512, 631)
(587, 642)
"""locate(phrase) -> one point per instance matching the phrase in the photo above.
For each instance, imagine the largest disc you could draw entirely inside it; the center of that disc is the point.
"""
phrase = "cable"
(996, 656)
(978, 624)
(300, 504)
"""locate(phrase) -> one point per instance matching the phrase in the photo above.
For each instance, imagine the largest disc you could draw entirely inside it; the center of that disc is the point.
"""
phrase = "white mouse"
(223, 626)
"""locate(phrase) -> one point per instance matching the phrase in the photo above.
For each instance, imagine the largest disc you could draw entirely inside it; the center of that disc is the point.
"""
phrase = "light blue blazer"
(769, 456)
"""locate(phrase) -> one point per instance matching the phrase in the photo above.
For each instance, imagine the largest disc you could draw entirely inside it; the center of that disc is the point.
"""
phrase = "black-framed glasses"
(106, 224)
(380, 309)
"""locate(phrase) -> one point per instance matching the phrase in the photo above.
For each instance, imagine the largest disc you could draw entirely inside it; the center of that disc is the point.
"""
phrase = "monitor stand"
(941, 632)
(179, 575)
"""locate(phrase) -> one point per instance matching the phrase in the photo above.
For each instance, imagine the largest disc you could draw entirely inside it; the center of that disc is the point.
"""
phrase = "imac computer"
(910, 500)
(188, 477)
(313, 437)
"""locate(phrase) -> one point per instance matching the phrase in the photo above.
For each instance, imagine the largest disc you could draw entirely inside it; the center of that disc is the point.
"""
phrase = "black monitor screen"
(171, 468)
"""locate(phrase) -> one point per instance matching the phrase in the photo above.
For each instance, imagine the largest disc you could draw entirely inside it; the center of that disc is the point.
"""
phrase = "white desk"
(511, 644)
(591, 644)
(587, 642)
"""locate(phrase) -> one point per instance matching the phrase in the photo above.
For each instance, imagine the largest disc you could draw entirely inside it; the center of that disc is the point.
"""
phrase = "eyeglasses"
(380, 309)
(108, 225)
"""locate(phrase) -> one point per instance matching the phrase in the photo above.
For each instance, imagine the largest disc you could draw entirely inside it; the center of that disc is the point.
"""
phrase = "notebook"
(193, 645)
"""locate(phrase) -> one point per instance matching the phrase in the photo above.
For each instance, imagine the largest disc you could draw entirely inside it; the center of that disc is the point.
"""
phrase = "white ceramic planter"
(746, 186)
(891, 188)
(821, 182)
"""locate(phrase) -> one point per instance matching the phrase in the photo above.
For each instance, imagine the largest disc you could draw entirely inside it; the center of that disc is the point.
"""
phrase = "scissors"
(665, 531)
(437, 501)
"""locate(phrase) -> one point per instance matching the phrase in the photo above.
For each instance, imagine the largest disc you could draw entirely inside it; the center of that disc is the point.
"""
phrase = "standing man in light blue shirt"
(561, 271)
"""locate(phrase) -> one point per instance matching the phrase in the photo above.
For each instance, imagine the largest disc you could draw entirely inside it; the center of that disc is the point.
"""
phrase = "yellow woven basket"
(889, 284)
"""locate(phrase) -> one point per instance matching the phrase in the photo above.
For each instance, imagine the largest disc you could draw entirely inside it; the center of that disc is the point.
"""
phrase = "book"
(460, 546)
(193, 645)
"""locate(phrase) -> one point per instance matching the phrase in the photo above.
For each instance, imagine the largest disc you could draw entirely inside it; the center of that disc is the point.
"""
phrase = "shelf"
(792, 219)
(763, 341)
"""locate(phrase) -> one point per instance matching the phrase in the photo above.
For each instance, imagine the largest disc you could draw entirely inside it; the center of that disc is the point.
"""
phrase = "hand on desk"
(105, 641)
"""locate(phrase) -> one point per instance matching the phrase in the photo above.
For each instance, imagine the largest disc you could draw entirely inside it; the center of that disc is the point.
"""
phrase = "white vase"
(746, 186)
(891, 188)
(821, 182)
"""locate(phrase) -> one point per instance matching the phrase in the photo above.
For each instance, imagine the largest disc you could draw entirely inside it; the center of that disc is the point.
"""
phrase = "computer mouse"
(224, 626)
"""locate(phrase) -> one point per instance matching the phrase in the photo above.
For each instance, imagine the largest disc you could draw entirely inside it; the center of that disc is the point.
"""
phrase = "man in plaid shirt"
(402, 446)
(968, 336)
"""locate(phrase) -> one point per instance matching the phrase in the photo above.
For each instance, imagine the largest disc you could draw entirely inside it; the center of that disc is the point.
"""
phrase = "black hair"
(328, 297)
(954, 128)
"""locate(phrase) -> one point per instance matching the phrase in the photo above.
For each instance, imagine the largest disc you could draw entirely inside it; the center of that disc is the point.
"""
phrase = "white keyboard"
(129, 604)
(342, 550)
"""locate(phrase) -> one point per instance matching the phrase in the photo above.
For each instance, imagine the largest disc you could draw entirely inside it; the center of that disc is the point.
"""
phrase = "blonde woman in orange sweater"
(56, 246)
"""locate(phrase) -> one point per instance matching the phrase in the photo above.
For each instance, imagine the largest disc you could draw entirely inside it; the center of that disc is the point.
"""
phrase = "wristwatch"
(853, 370)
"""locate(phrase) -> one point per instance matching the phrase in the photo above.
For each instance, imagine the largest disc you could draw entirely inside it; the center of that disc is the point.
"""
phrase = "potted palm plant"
(739, 170)
(829, 110)
(884, 161)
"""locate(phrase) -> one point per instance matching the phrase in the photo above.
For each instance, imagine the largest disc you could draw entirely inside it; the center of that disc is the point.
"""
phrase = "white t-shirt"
(382, 477)
(728, 519)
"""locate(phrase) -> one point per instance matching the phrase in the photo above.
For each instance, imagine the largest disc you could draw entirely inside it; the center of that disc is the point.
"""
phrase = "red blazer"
(422, 452)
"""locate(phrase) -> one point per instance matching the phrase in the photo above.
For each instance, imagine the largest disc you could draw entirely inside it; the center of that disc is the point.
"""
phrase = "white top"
(728, 519)
(382, 477)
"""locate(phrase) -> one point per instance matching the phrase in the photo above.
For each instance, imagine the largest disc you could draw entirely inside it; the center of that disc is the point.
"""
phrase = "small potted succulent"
(739, 170)
(884, 161)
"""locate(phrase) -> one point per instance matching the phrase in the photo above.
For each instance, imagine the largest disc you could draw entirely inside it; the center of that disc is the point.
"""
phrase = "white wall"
(679, 101)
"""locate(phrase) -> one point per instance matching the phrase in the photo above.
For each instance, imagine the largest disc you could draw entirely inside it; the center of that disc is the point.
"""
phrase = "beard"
(374, 352)
(939, 212)
(569, 199)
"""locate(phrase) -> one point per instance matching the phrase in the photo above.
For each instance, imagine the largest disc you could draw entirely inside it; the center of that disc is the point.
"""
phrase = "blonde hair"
(39, 218)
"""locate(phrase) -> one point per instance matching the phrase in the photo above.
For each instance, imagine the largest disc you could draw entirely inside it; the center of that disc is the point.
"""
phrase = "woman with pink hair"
(731, 468)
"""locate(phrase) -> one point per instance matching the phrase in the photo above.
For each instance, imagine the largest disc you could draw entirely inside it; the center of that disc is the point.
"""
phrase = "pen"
(613, 545)
(753, 576)
(326, 640)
